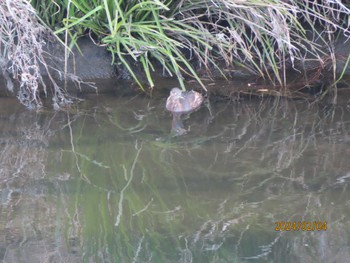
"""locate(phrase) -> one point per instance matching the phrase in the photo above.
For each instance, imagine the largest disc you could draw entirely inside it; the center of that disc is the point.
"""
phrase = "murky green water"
(106, 182)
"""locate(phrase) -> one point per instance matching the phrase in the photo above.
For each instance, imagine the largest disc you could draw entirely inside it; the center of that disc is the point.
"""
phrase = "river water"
(253, 180)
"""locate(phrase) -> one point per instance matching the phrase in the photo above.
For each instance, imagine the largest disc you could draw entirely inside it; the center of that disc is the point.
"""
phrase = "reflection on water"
(107, 182)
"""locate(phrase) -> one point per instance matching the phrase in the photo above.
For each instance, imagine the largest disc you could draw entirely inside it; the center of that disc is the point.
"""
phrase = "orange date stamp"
(301, 225)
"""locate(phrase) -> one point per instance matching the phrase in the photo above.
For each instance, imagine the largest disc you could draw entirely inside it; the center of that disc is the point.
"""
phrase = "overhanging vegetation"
(263, 35)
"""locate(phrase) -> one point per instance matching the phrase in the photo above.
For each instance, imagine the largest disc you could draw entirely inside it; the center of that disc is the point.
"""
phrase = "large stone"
(91, 62)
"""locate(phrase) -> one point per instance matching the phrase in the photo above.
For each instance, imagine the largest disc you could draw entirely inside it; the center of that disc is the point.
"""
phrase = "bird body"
(183, 101)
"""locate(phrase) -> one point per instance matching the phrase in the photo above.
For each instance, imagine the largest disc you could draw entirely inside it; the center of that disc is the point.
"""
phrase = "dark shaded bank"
(93, 63)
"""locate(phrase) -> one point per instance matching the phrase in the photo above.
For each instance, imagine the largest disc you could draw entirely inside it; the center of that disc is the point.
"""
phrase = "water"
(105, 181)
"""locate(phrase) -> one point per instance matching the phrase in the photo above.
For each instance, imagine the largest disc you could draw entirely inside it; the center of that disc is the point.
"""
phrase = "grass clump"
(264, 36)
(22, 40)
(267, 36)
(143, 31)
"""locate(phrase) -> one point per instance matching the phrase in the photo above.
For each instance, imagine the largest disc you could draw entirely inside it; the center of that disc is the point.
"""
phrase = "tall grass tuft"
(264, 36)
(140, 30)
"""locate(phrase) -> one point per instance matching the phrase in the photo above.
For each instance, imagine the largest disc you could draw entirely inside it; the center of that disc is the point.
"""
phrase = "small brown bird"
(183, 101)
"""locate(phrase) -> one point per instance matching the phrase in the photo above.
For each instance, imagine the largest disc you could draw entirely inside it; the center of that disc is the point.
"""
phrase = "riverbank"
(92, 65)
(259, 42)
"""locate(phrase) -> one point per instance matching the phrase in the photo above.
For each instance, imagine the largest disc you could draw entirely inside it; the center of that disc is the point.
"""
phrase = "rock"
(93, 62)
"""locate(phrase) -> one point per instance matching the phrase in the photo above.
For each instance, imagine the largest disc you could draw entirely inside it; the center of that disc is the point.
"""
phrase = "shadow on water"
(106, 182)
